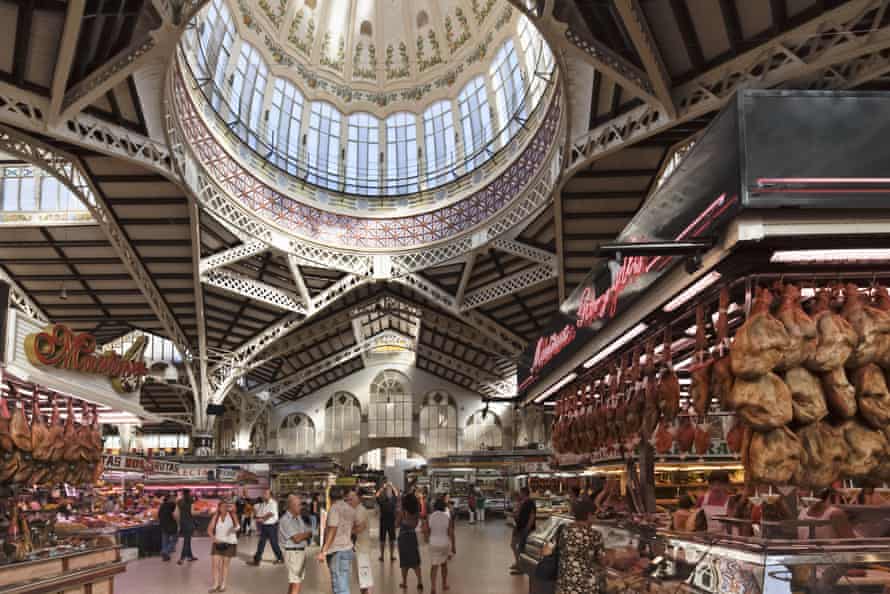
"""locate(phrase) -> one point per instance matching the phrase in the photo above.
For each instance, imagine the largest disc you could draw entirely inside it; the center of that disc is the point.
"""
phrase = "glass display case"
(643, 557)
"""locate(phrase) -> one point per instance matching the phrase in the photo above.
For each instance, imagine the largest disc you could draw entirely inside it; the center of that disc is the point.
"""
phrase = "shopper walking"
(247, 519)
(440, 531)
(315, 510)
(361, 541)
(387, 500)
(186, 526)
(267, 524)
(223, 529)
(480, 505)
(169, 527)
(294, 535)
(525, 525)
(471, 504)
(240, 508)
(409, 549)
(337, 548)
(580, 550)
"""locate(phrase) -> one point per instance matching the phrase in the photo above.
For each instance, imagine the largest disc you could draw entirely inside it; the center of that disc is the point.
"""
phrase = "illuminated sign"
(58, 346)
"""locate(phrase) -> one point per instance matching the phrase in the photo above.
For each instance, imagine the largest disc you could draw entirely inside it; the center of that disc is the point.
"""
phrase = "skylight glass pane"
(285, 118)
(475, 117)
(323, 145)
(362, 154)
(509, 91)
(438, 125)
(401, 153)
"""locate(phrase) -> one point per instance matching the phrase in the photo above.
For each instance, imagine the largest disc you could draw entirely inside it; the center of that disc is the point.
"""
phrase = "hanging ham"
(19, 428)
(764, 403)
(721, 370)
(866, 448)
(71, 453)
(760, 342)
(685, 437)
(823, 450)
(802, 331)
(636, 404)
(839, 393)
(872, 396)
(702, 438)
(735, 436)
(651, 412)
(837, 339)
(41, 446)
(701, 369)
(882, 357)
(669, 384)
(664, 439)
(773, 456)
(807, 399)
(6, 443)
(871, 326)
(56, 434)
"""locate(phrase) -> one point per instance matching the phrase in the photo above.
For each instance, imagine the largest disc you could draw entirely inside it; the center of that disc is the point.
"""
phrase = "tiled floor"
(481, 566)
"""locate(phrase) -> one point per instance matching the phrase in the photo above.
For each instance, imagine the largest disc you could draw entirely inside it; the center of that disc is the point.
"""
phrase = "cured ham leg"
(760, 344)
(6, 443)
(19, 428)
(41, 446)
(836, 341)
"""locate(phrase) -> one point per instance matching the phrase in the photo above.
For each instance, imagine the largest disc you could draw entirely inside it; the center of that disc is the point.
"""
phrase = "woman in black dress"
(409, 549)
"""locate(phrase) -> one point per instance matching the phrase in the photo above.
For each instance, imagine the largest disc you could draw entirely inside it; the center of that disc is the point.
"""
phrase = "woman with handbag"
(223, 530)
(576, 556)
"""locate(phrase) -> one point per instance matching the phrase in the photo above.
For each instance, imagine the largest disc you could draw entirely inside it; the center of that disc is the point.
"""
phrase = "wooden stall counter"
(90, 571)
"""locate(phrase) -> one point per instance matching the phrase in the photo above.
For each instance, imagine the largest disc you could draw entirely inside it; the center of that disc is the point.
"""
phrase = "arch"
(423, 19)
(323, 145)
(366, 29)
(296, 434)
(363, 154)
(392, 405)
(439, 141)
(438, 423)
(475, 120)
(483, 431)
(342, 422)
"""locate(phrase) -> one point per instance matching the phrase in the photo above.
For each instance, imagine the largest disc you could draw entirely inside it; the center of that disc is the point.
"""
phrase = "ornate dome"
(369, 131)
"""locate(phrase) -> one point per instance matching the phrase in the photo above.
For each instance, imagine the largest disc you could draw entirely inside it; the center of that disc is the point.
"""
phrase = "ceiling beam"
(637, 27)
(795, 54)
(239, 284)
(24, 20)
(687, 32)
(21, 299)
(509, 285)
(232, 255)
(65, 60)
(70, 171)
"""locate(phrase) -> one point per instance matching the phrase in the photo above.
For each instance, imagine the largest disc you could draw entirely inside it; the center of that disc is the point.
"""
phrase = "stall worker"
(714, 501)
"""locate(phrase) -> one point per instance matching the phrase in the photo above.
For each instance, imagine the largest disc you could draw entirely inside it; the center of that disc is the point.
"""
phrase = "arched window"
(217, 37)
(532, 428)
(537, 57)
(438, 128)
(438, 424)
(258, 435)
(506, 78)
(323, 145)
(401, 153)
(342, 422)
(366, 29)
(423, 19)
(285, 117)
(475, 120)
(362, 154)
(297, 435)
(391, 406)
(483, 432)
(248, 89)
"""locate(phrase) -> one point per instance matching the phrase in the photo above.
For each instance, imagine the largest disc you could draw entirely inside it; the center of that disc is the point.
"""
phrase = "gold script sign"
(58, 346)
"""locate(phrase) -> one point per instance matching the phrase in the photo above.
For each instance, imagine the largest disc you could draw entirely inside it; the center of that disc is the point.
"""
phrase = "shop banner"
(147, 466)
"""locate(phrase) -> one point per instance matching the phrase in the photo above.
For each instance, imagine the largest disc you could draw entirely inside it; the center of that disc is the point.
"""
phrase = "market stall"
(746, 331)
(56, 392)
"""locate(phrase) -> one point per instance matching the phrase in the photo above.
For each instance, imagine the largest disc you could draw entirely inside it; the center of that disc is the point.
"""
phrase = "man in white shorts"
(361, 536)
(294, 534)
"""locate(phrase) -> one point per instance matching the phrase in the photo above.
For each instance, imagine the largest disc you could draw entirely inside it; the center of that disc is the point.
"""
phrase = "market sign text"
(58, 346)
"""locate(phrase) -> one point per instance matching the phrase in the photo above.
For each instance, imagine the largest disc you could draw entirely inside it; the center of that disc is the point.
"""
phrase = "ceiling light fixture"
(549, 391)
(63, 292)
(693, 290)
(627, 337)
(830, 256)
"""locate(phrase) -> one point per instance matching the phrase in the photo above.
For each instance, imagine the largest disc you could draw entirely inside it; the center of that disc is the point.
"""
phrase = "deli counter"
(641, 558)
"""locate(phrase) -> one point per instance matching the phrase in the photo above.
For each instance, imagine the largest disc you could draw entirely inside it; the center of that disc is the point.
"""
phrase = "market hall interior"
(555, 295)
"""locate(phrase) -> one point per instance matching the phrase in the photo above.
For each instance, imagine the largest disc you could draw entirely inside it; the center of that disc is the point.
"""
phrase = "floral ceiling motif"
(430, 42)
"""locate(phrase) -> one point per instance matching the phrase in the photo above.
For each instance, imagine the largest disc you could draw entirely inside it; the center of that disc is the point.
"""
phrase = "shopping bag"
(365, 577)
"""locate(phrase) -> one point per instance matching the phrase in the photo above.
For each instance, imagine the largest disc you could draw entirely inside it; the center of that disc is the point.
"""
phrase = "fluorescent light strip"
(549, 391)
(693, 290)
(829, 256)
(628, 336)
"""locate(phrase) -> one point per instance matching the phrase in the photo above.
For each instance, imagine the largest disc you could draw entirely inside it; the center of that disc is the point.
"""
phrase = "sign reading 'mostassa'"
(60, 347)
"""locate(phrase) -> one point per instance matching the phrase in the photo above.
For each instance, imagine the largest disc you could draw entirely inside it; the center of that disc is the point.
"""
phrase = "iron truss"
(827, 45)
(68, 170)
(21, 300)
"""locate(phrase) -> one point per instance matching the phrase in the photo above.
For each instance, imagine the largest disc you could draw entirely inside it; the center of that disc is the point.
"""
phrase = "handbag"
(547, 569)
